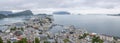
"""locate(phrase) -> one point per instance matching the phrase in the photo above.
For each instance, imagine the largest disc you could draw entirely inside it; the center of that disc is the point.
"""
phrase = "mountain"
(113, 14)
(6, 12)
(23, 13)
(117, 15)
(2, 16)
(42, 14)
(61, 12)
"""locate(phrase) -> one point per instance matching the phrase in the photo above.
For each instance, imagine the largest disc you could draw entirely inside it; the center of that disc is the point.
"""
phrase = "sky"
(73, 6)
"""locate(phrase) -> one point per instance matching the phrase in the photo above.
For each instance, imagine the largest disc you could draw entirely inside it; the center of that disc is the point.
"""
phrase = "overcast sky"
(78, 6)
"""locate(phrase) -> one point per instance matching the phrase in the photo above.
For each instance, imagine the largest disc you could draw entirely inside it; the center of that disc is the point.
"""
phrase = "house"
(3, 28)
(51, 40)
(18, 25)
(106, 37)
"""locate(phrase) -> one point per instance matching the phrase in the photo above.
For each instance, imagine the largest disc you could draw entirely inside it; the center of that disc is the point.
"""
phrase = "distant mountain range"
(113, 14)
(61, 13)
(23, 13)
(2, 16)
(6, 12)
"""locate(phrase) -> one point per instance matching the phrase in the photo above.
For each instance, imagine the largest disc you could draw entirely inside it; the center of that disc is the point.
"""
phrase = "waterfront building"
(106, 37)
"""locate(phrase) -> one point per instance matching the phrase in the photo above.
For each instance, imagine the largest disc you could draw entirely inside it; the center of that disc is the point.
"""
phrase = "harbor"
(43, 29)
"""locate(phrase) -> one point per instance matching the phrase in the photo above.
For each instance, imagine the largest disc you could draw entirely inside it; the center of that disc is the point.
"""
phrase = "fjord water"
(11, 20)
(102, 24)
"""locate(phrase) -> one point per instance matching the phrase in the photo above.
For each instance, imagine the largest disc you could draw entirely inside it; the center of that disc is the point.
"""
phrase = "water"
(11, 20)
(102, 24)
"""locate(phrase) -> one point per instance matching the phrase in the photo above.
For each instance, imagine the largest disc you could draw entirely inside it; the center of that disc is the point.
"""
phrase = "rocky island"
(61, 13)
(23, 13)
(10, 14)
(113, 14)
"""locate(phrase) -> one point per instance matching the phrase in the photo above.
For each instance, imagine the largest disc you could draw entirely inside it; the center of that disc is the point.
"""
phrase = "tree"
(46, 42)
(101, 41)
(83, 36)
(1, 41)
(22, 29)
(50, 20)
(80, 37)
(8, 41)
(66, 40)
(15, 42)
(96, 39)
(12, 29)
(32, 41)
(37, 40)
(24, 40)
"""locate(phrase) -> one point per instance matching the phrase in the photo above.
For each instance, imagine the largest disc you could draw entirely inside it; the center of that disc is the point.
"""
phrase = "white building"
(106, 37)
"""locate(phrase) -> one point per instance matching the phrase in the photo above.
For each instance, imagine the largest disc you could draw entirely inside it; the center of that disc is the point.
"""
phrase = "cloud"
(59, 4)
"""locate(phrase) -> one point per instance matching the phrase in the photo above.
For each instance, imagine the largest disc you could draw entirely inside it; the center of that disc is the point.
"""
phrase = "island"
(2, 16)
(113, 14)
(6, 12)
(23, 13)
(61, 13)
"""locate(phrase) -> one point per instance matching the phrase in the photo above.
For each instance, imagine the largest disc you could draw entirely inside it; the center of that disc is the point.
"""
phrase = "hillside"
(23, 13)
(61, 12)
(2, 16)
